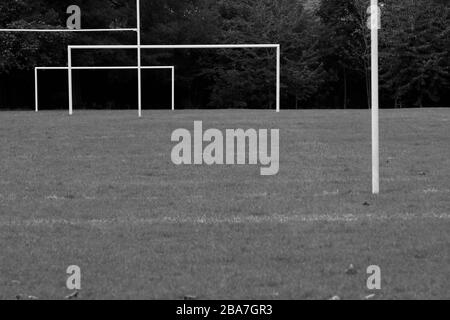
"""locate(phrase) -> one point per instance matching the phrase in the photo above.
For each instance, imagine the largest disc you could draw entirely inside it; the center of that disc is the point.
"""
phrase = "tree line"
(325, 47)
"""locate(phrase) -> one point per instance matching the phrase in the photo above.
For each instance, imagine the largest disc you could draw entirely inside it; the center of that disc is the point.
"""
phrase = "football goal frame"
(72, 48)
(37, 69)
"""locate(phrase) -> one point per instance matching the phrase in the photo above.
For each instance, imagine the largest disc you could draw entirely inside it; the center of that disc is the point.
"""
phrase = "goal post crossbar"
(176, 46)
(71, 30)
(183, 46)
(105, 68)
(172, 68)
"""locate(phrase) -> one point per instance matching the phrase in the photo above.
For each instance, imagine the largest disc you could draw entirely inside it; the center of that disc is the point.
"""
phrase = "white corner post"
(69, 73)
(139, 61)
(278, 78)
(36, 88)
(375, 25)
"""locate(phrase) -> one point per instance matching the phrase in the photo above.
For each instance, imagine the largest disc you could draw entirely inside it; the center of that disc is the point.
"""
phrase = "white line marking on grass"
(55, 198)
(277, 219)
(404, 179)
(434, 190)
(327, 193)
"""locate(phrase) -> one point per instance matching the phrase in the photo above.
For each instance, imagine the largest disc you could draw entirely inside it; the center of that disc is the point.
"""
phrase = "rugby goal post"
(187, 46)
(137, 29)
(37, 69)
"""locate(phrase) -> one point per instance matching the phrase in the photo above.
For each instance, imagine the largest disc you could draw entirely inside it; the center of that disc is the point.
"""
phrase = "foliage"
(415, 61)
(325, 47)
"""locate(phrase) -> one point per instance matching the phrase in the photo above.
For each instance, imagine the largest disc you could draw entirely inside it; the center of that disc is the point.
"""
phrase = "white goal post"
(171, 68)
(375, 97)
(187, 46)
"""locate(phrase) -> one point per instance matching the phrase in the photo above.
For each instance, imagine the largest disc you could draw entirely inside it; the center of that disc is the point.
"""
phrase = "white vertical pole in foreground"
(278, 78)
(139, 62)
(375, 21)
(36, 98)
(69, 68)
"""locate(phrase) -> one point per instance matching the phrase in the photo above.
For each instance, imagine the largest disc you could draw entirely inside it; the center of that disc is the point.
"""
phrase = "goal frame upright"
(374, 29)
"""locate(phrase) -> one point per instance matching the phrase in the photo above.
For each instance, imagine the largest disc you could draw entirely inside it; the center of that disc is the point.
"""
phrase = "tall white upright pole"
(139, 62)
(36, 88)
(69, 66)
(278, 78)
(375, 21)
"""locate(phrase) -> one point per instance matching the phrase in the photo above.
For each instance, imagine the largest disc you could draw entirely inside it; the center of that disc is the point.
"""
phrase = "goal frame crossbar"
(172, 68)
(71, 30)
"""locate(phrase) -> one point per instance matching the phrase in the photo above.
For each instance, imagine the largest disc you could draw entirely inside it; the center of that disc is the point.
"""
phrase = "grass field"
(98, 190)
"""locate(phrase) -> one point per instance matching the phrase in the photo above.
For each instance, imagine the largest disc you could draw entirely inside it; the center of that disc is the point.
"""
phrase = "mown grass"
(99, 190)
